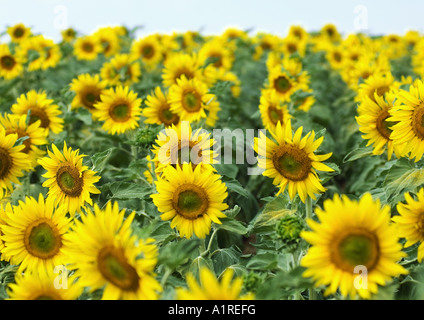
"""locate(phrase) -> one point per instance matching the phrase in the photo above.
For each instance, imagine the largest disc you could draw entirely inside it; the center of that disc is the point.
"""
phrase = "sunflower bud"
(289, 228)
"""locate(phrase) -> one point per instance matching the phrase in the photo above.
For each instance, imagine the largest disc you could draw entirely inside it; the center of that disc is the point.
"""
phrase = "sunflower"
(210, 288)
(291, 160)
(179, 144)
(158, 109)
(10, 66)
(410, 221)
(336, 56)
(88, 90)
(18, 32)
(122, 69)
(31, 51)
(148, 50)
(70, 183)
(292, 45)
(13, 161)
(33, 235)
(178, 65)
(283, 84)
(46, 286)
(264, 44)
(408, 115)
(298, 32)
(87, 48)
(36, 135)
(352, 234)
(272, 110)
(191, 198)
(68, 35)
(330, 33)
(372, 119)
(216, 53)
(379, 82)
(305, 104)
(51, 54)
(120, 110)
(109, 41)
(39, 107)
(106, 255)
(231, 34)
(190, 99)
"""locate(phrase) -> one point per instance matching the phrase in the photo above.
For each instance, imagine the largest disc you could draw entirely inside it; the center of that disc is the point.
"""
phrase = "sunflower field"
(186, 166)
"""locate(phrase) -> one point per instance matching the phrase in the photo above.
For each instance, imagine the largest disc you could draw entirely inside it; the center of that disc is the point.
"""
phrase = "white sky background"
(213, 16)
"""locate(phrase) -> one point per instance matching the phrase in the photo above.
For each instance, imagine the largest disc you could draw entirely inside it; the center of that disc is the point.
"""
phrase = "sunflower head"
(191, 198)
(350, 235)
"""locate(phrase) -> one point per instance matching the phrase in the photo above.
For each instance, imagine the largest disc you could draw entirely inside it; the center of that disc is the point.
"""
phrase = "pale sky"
(213, 16)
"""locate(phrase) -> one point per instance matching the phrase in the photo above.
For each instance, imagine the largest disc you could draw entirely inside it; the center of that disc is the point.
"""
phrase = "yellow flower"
(282, 83)
(408, 115)
(372, 119)
(68, 35)
(191, 198)
(88, 90)
(13, 161)
(36, 135)
(291, 160)
(376, 83)
(87, 48)
(122, 69)
(109, 41)
(158, 109)
(272, 110)
(39, 107)
(106, 255)
(33, 235)
(148, 50)
(178, 65)
(18, 32)
(352, 234)
(410, 221)
(179, 144)
(10, 66)
(216, 51)
(32, 51)
(70, 183)
(210, 288)
(49, 286)
(190, 99)
(119, 109)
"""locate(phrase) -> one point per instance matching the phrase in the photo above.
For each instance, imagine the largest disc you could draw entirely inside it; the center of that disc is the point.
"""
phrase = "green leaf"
(223, 258)
(99, 160)
(127, 190)
(232, 225)
(235, 186)
(177, 253)
(358, 154)
(263, 261)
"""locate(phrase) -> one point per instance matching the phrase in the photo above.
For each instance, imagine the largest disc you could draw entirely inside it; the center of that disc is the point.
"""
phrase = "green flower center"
(190, 201)
(275, 115)
(115, 268)
(383, 126)
(18, 33)
(167, 117)
(148, 51)
(120, 112)
(292, 163)
(5, 163)
(7, 62)
(282, 84)
(69, 180)
(39, 114)
(88, 47)
(418, 121)
(42, 239)
(356, 248)
(192, 101)
(90, 99)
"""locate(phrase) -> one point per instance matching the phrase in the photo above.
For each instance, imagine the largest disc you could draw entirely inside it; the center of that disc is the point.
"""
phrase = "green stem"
(209, 244)
(165, 277)
(308, 205)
